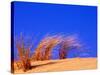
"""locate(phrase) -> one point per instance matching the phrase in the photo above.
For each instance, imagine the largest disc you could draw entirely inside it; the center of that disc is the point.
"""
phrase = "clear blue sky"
(38, 19)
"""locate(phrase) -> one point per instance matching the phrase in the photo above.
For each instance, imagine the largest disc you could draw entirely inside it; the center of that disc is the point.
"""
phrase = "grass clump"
(66, 44)
(23, 53)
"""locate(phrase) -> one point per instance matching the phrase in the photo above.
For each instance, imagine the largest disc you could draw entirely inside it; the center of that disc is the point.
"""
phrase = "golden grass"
(66, 44)
(43, 51)
(23, 54)
(52, 43)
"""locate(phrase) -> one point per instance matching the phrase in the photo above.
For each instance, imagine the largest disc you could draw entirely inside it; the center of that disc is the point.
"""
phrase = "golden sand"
(61, 65)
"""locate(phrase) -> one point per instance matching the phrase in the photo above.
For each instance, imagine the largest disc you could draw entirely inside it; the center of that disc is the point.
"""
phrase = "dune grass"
(44, 49)
(23, 53)
(66, 44)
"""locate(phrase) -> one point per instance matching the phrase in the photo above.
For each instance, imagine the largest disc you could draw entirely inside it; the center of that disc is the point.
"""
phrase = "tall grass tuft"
(44, 49)
(53, 41)
(38, 54)
(66, 44)
(23, 53)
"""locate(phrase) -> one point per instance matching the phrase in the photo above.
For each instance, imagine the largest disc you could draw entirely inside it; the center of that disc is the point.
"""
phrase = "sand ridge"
(61, 65)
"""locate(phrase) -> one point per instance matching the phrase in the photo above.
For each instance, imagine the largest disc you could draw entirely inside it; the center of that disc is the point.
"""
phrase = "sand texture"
(60, 65)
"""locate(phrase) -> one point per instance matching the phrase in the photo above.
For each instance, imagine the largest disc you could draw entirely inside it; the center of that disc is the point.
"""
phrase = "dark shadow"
(49, 63)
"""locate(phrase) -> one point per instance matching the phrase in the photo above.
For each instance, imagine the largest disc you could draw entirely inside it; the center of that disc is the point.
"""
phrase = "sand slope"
(62, 65)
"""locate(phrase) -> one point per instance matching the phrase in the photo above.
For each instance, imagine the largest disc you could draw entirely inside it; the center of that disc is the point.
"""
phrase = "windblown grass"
(23, 53)
(52, 43)
(66, 44)
(38, 54)
(44, 49)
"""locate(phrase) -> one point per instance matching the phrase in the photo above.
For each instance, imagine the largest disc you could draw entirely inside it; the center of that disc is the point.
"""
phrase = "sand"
(61, 65)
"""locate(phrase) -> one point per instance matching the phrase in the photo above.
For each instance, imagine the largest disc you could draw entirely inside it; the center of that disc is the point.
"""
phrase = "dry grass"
(66, 44)
(23, 53)
(43, 50)
(52, 43)
(38, 54)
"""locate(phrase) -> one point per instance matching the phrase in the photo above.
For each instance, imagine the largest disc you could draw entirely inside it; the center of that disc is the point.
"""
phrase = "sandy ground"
(62, 65)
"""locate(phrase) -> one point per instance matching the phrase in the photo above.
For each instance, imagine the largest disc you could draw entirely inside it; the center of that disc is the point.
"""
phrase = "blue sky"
(38, 19)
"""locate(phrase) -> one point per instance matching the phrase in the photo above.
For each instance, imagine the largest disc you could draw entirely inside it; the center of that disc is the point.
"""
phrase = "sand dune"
(62, 65)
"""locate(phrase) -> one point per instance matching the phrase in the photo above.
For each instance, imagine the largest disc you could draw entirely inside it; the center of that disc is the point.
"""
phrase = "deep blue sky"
(38, 19)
